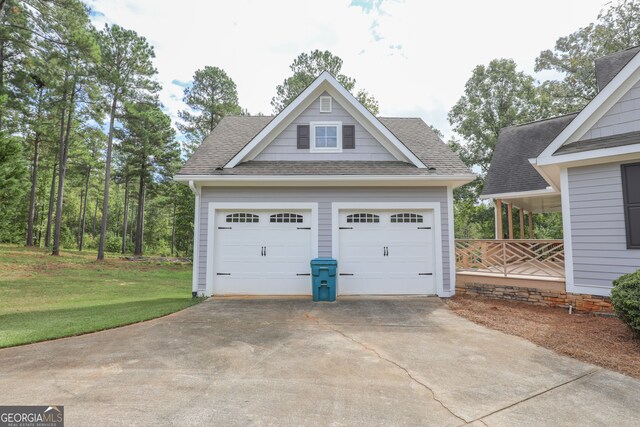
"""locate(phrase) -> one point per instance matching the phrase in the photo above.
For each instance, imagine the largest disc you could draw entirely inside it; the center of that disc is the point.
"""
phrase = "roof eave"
(453, 181)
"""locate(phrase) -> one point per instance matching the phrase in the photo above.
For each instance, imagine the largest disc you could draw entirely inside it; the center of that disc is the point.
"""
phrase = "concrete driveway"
(374, 361)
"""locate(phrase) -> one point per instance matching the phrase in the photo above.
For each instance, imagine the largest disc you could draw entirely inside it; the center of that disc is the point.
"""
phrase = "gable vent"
(325, 104)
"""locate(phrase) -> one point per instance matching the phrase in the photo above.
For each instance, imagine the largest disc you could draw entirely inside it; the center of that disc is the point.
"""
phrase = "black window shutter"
(303, 136)
(631, 195)
(348, 136)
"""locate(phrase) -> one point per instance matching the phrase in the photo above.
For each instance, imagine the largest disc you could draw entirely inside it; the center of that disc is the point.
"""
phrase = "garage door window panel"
(411, 218)
(286, 218)
(241, 217)
(363, 218)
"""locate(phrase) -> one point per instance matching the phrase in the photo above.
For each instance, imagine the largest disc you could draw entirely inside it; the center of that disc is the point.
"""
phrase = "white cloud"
(414, 56)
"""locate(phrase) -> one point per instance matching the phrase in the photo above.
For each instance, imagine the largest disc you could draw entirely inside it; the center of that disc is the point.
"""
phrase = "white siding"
(284, 146)
(623, 117)
(324, 197)
(600, 253)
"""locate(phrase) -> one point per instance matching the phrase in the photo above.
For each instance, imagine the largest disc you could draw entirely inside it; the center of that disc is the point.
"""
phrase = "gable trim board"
(546, 192)
(325, 82)
(598, 107)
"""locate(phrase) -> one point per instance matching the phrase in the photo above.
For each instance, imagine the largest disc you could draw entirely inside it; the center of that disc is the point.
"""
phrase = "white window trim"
(330, 104)
(312, 137)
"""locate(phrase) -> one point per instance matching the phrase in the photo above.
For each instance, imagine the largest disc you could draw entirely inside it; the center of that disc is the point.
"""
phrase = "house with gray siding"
(323, 178)
(586, 165)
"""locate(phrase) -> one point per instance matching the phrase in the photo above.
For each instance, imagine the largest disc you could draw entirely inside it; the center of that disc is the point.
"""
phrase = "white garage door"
(386, 252)
(262, 252)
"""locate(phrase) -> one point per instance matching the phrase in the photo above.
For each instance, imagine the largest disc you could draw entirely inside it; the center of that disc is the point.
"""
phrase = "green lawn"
(44, 297)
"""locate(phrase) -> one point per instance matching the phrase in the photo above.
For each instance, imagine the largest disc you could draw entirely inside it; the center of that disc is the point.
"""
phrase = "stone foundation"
(582, 303)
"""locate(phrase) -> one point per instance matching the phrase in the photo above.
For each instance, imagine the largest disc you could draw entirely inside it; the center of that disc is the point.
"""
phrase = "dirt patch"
(602, 341)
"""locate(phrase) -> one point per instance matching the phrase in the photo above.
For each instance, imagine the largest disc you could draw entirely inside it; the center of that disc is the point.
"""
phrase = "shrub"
(625, 297)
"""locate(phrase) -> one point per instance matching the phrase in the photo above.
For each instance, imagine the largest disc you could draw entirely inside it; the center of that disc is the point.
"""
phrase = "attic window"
(326, 137)
(325, 104)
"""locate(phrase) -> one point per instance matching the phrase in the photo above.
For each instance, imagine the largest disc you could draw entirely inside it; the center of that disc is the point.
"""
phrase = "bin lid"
(324, 261)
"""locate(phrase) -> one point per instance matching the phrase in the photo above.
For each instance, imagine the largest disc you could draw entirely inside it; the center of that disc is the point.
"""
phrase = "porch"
(527, 263)
(511, 261)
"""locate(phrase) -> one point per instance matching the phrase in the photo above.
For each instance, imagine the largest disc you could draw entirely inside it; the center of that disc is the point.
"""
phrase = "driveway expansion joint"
(572, 380)
(381, 357)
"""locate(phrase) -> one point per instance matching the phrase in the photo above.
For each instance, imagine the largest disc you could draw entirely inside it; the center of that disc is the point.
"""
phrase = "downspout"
(196, 240)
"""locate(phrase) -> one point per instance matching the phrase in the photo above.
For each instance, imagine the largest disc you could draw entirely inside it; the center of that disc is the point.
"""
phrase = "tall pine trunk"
(140, 219)
(62, 169)
(107, 179)
(173, 226)
(52, 195)
(84, 210)
(34, 174)
(126, 215)
(34, 186)
(95, 215)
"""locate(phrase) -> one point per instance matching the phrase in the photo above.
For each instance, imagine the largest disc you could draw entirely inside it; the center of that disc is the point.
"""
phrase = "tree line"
(87, 152)
(498, 95)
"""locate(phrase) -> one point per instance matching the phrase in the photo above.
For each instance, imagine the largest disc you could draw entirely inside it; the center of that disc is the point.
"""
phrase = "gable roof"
(609, 66)
(510, 170)
(610, 94)
(612, 141)
(325, 82)
(235, 132)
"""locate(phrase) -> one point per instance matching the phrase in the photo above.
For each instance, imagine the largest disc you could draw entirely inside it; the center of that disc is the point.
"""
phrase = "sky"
(414, 56)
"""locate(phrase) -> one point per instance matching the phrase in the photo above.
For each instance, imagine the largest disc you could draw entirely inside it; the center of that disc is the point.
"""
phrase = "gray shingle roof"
(234, 132)
(326, 167)
(598, 143)
(608, 66)
(510, 170)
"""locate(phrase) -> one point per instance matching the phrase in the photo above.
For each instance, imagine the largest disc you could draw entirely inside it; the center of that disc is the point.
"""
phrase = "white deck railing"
(535, 258)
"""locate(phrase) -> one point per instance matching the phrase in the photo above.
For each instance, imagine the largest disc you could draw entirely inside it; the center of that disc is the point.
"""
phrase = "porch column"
(498, 208)
(530, 225)
(521, 212)
(510, 219)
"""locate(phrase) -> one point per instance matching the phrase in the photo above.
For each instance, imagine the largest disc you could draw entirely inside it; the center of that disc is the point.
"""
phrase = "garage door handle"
(223, 274)
(346, 274)
(304, 228)
(345, 228)
(424, 228)
(425, 274)
(224, 228)
(303, 274)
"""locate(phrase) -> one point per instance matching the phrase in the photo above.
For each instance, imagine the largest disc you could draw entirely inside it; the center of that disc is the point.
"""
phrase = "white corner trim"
(312, 137)
(598, 107)
(452, 243)
(211, 226)
(196, 238)
(437, 228)
(566, 230)
(324, 82)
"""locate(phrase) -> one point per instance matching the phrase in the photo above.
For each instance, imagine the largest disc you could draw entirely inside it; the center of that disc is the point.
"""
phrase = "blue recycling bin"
(323, 273)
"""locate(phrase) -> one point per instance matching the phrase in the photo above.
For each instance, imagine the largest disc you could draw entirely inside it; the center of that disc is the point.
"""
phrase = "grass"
(44, 297)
